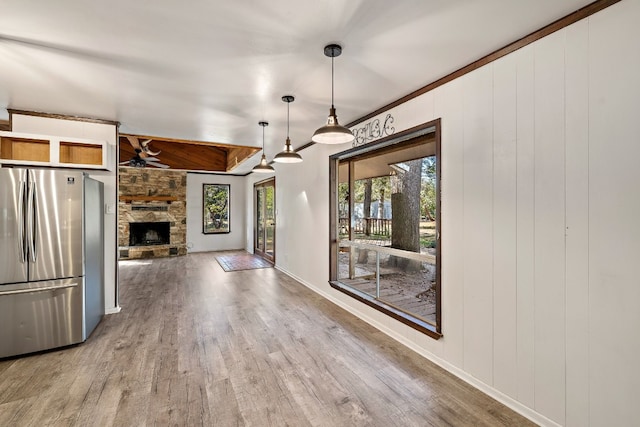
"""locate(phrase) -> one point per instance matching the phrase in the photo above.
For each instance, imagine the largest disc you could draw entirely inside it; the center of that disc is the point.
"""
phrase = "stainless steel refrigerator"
(51, 259)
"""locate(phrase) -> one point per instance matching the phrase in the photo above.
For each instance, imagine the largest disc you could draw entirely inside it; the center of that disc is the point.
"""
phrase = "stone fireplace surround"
(152, 195)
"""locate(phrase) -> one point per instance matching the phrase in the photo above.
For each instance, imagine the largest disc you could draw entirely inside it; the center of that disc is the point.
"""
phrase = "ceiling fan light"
(332, 132)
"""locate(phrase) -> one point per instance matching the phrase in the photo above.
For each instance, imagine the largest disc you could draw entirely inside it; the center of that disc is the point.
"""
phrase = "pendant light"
(263, 166)
(332, 132)
(288, 155)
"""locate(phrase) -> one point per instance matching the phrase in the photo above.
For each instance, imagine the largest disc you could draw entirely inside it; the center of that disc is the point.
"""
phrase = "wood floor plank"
(195, 345)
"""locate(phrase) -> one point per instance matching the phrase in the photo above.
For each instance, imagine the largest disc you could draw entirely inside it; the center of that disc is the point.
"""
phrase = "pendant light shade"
(288, 155)
(263, 166)
(332, 132)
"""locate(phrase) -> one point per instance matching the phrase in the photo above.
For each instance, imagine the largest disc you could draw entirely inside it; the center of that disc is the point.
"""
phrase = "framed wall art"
(215, 208)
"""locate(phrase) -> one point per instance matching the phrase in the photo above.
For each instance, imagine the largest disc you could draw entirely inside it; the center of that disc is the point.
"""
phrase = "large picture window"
(386, 226)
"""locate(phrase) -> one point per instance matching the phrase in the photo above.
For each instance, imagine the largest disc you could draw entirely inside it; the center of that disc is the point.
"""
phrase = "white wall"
(200, 242)
(540, 230)
(105, 132)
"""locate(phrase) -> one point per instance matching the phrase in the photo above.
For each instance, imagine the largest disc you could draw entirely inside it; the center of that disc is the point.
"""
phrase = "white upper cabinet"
(57, 151)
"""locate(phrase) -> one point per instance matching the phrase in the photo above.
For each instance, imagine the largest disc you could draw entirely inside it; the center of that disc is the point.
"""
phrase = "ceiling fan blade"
(135, 143)
(158, 165)
(145, 147)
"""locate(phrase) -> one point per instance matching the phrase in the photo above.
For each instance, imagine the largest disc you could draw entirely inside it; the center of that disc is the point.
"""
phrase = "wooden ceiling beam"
(188, 141)
(182, 156)
(238, 155)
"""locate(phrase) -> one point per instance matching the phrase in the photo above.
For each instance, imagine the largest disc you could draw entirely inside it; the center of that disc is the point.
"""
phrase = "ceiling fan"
(144, 155)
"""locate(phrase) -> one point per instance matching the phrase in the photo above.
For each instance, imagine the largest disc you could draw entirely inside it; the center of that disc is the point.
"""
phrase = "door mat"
(238, 262)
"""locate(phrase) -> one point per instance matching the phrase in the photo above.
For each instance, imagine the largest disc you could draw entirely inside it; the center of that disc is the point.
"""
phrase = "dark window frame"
(434, 331)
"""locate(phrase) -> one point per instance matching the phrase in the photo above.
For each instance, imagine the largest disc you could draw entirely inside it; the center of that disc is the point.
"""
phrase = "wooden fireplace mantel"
(129, 199)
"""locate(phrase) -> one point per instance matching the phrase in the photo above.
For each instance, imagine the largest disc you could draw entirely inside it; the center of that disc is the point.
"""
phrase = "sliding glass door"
(265, 216)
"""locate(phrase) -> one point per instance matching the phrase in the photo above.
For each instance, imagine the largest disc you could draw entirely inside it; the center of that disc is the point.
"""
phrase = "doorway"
(265, 225)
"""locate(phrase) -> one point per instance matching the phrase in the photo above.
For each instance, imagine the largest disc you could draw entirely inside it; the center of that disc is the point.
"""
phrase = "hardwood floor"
(194, 345)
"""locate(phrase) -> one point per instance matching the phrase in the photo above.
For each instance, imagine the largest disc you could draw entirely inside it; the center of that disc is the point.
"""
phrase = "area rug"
(237, 262)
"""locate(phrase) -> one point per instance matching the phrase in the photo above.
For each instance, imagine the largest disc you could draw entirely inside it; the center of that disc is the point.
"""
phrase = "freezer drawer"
(44, 315)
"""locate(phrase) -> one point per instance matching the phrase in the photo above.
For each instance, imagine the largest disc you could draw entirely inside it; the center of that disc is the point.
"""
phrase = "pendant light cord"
(288, 119)
(263, 140)
(332, 58)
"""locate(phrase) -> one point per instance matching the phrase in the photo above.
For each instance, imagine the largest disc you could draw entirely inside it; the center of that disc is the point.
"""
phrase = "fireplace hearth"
(149, 233)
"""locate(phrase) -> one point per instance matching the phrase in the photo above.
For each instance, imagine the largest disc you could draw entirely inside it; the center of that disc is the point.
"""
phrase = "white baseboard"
(113, 310)
(509, 402)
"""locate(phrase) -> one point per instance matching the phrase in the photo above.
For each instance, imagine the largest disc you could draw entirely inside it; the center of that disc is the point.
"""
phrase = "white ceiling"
(210, 70)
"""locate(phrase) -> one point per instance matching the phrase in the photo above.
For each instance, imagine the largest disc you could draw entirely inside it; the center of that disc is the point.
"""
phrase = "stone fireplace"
(152, 210)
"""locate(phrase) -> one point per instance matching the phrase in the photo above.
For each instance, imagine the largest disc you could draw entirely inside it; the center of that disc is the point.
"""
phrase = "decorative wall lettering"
(373, 130)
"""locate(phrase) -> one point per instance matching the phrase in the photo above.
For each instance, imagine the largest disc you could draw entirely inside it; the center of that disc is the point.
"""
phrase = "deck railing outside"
(367, 226)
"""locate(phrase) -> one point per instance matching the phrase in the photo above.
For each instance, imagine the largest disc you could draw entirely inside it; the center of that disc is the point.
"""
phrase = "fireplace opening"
(149, 233)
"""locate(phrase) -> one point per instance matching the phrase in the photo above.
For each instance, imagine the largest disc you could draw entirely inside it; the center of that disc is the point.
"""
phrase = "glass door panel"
(260, 219)
(265, 226)
(270, 221)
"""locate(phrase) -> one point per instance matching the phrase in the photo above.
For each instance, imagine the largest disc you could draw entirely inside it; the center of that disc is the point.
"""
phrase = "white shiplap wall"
(577, 224)
(541, 229)
(614, 206)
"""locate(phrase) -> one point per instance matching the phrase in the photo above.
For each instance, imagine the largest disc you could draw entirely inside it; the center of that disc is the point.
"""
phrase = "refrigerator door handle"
(21, 221)
(31, 219)
(46, 288)
(34, 248)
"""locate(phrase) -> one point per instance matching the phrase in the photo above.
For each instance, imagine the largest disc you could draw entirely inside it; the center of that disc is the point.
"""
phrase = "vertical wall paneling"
(577, 223)
(525, 206)
(540, 190)
(477, 223)
(614, 215)
(549, 254)
(448, 106)
(504, 226)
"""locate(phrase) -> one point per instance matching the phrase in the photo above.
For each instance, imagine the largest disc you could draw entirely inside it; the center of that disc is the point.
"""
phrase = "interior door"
(265, 215)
